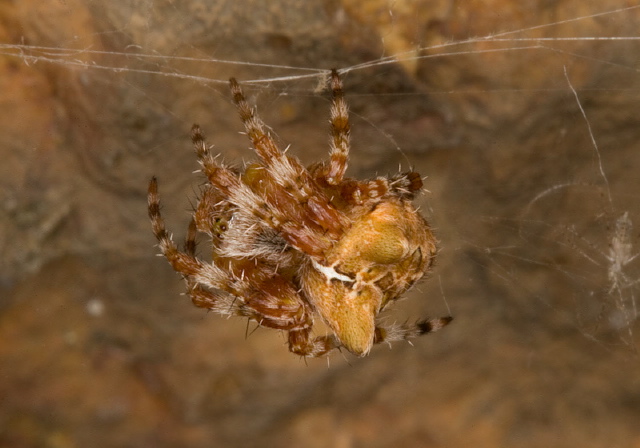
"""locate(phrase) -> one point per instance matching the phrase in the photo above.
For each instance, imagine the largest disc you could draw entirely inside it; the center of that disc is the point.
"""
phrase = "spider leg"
(340, 132)
(289, 184)
(302, 212)
(221, 177)
(185, 263)
(405, 331)
(180, 261)
(286, 171)
(252, 211)
(263, 308)
(403, 185)
(190, 239)
(302, 342)
(219, 301)
(263, 143)
(300, 338)
(267, 298)
(230, 185)
(237, 192)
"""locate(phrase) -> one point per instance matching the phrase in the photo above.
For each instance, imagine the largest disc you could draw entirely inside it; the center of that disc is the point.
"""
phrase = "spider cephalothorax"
(291, 243)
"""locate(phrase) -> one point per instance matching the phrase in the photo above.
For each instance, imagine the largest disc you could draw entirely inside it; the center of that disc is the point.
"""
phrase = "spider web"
(563, 245)
(596, 244)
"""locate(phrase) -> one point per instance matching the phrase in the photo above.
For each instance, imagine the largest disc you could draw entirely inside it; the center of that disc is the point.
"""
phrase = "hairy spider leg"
(340, 133)
(230, 184)
(406, 331)
(270, 203)
(313, 222)
(287, 172)
(301, 341)
(403, 185)
(190, 243)
(219, 301)
(269, 299)
(182, 262)
(353, 191)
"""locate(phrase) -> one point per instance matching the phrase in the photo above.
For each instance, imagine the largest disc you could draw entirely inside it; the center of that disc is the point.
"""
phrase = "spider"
(292, 243)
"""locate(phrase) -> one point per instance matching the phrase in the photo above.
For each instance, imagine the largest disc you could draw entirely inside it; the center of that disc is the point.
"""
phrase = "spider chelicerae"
(292, 243)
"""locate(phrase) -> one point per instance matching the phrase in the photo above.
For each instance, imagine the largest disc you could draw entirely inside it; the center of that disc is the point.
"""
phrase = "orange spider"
(291, 243)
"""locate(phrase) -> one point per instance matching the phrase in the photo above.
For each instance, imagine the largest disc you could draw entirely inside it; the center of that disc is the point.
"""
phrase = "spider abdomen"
(383, 253)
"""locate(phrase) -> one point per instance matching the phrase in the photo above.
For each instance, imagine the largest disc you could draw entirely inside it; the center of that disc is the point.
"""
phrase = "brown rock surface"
(98, 347)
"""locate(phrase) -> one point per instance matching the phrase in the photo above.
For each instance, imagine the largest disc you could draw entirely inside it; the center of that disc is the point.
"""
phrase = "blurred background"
(522, 115)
